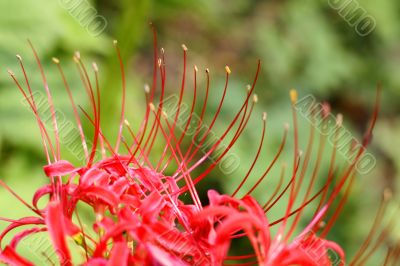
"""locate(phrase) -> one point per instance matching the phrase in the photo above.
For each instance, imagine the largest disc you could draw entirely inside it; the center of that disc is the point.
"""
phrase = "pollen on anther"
(19, 57)
(264, 116)
(126, 122)
(293, 96)
(255, 98)
(10, 72)
(195, 68)
(78, 55)
(228, 70)
(146, 88)
(95, 67)
(152, 107)
(55, 60)
(184, 47)
(115, 42)
(321, 224)
(339, 120)
(387, 194)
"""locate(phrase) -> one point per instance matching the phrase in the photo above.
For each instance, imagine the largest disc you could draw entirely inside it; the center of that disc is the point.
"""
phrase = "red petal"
(18, 237)
(152, 206)
(161, 257)
(40, 193)
(96, 262)
(11, 257)
(105, 195)
(94, 175)
(21, 222)
(59, 168)
(56, 227)
(119, 255)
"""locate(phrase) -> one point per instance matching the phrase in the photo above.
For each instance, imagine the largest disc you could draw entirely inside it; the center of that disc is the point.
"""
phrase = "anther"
(228, 70)
(293, 96)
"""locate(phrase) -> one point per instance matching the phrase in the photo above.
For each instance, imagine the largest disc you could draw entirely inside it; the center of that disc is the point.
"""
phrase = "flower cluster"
(141, 216)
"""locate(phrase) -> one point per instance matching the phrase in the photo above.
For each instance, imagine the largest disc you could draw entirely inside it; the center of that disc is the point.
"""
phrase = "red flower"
(140, 217)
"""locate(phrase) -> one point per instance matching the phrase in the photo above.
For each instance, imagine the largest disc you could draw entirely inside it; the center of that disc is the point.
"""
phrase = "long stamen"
(277, 155)
(277, 188)
(191, 112)
(177, 154)
(75, 110)
(264, 118)
(50, 100)
(43, 132)
(339, 121)
(33, 104)
(348, 173)
(90, 92)
(377, 222)
(19, 198)
(136, 141)
(101, 139)
(226, 131)
(219, 108)
(121, 123)
(200, 123)
(229, 146)
(189, 119)
(313, 175)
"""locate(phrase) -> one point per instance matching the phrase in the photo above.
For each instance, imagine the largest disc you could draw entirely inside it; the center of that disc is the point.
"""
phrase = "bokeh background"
(308, 45)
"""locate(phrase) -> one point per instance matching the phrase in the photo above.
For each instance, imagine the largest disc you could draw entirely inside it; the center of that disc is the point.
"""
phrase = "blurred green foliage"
(302, 44)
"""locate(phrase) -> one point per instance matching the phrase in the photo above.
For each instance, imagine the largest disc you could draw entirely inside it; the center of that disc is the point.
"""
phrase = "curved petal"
(21, 235)
(56, 227)
(11, 257)
(59, 168)
(21, 222)
(119, 255)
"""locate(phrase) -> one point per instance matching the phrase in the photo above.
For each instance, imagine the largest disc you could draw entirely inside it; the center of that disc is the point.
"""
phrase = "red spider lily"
(140, 217)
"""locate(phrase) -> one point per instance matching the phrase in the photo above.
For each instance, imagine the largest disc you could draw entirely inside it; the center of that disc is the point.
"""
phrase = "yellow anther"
(293, 95)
